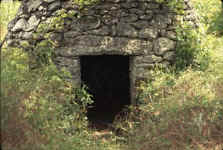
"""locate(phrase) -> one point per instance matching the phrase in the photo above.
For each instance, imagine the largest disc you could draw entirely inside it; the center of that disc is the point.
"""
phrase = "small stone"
(146, 17)
(171, 35)
(54, 6)
(88, 23)
(11, 24)
(34, 4)
(136, 11)
(25, 16)
(20, 25)
(25, 35)
(153, 6)
(152, 59)
(146, 46)
(161, 21)
(126, 30)
(114, 1)
(49, 1)
(165, 64)
(143, 72)
(101, 31)
(71, 34)
(140, 24)
(162, 45)
(149, 59)
(20, 11)
(127, 5)
(32, 23)
(43, 18)
(162, 32)
(105, 6)
(130, 18)
(40, 8)
(56, 37)
(169, 55)
(148, 33)
(10, 42)
(143, 6)
(146, 66)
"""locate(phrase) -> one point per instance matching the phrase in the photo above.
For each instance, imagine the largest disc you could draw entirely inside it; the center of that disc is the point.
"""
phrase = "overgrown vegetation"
(181, 111)
(181, 108)
(8, 11)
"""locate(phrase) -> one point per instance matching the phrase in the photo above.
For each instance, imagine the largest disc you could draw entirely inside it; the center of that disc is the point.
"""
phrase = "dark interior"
(107, 79)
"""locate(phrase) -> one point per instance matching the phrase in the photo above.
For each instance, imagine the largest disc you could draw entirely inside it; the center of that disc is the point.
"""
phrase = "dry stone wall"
(142, 29)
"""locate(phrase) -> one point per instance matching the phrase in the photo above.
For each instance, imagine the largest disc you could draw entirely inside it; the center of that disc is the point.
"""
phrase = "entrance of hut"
(107, 79)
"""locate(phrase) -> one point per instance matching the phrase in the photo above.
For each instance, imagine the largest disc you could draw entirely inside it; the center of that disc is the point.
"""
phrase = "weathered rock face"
(141, 29)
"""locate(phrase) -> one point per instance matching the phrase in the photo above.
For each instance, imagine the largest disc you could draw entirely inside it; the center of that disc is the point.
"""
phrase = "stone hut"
(110, 45)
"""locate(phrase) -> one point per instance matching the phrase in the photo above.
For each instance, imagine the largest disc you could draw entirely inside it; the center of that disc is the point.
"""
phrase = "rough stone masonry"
(144, 30)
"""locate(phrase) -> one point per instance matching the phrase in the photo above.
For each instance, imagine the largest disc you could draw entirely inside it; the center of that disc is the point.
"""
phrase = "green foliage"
(41, 109)
(56, 22)
(213, 21)
(43, 52)
(195, 45)
(178, 112)
(8, 11)
(192, 48)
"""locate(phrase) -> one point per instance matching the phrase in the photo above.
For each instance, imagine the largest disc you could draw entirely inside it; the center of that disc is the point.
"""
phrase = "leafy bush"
(178, 112)
(35, 100)
(41, 109)
(8, 11)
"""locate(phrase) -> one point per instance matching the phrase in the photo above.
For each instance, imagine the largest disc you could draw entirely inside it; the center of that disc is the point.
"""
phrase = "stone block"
(33, 5)
(148, 33)
(126, 30)
(54, 6)
(20, 25)
(32, 23)
(169, 56)
(163, 44)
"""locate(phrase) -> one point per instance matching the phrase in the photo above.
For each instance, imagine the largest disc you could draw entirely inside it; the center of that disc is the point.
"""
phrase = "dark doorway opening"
(107, 79)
